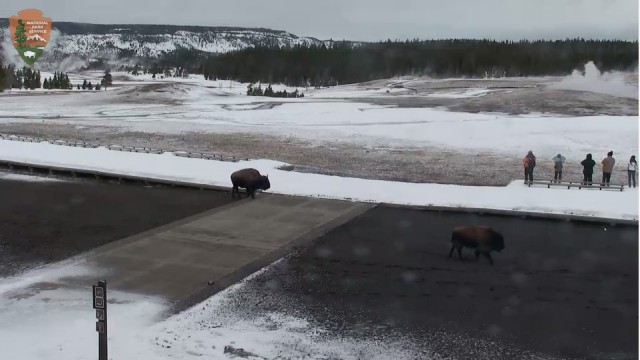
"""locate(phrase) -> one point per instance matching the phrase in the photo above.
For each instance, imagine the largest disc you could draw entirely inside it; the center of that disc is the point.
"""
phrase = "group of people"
(588, 164)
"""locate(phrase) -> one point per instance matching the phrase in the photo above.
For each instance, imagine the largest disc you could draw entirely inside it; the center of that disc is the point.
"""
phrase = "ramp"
(188, 261)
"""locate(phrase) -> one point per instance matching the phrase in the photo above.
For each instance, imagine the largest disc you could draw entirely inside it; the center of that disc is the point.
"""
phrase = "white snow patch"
(59, 323)
(207, 328)
(468, 93)
(42, 319)
(610, 204)
(28, 178)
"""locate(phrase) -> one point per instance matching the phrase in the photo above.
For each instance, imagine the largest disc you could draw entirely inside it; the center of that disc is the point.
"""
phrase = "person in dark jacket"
(588, 165)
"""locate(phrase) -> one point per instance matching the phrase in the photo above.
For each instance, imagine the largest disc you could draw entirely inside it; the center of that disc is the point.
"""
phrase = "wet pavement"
(47, 221)
(560, 289)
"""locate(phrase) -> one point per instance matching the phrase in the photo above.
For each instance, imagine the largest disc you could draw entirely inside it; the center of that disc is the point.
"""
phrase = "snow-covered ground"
(623, 205)
(42, 319)
(214, 107)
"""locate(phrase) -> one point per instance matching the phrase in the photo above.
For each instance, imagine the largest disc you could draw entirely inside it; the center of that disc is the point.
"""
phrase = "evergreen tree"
(268, 91)
(155, 70)
(26, 78)
(21, 33)
(3, 78)
(107, 79)
(15, 79)
(84, 85)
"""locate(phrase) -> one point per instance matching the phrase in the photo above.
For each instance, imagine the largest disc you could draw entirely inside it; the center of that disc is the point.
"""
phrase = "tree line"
(257, 91)
(29, 79)
(342, 63)
(346, 62)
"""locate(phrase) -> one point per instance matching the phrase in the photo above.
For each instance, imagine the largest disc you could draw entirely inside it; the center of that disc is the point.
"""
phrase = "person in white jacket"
(631, 170)
(558, 160)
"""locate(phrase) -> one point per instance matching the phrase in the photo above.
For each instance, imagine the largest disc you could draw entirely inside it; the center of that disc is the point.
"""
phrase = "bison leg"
(460, 252)
(489, 257)
(451, 251)
(234, 190)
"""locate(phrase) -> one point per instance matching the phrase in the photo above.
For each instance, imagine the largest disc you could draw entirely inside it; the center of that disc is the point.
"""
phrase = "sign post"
(100, 304)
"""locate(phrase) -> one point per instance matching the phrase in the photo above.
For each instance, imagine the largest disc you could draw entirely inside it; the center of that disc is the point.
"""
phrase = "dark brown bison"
(481, 238)
(249, 179)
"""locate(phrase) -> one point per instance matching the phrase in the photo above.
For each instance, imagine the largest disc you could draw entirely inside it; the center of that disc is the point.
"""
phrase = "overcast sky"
(365, 20)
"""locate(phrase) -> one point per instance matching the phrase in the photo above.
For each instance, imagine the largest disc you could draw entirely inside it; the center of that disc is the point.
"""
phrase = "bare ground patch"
(433, 165)
(522, 101)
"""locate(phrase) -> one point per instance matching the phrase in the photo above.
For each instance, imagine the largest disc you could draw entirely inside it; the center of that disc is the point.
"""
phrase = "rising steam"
(592, 80)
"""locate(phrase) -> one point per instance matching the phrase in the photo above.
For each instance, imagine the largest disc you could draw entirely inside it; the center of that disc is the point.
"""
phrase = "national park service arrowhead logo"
(30, 34)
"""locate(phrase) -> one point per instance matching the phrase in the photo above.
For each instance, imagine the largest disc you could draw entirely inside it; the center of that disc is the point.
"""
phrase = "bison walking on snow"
(249, 179)
(481, 238)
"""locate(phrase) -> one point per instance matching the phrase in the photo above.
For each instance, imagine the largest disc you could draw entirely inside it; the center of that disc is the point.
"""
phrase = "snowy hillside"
(89, 40)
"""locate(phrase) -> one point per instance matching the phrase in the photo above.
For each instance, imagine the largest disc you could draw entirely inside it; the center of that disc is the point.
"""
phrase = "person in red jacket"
(529, 163)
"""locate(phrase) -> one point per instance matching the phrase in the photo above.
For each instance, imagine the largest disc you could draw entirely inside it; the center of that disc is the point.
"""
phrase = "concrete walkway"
(178, 261)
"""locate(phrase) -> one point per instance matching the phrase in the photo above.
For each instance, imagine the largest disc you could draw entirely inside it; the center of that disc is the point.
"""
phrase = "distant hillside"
(126, 41)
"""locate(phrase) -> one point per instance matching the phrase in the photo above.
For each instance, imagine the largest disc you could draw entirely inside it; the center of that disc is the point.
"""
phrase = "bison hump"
(245, 177)
(473, 231)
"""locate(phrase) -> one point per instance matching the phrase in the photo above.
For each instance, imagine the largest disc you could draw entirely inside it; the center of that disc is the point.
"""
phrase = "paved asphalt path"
(559, 289)
(44, 222)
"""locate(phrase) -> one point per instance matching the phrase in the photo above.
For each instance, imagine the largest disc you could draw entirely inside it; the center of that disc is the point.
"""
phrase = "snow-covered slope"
(94, 41)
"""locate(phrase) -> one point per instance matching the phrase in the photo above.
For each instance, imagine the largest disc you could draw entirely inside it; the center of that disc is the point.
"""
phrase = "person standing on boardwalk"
(529, 163)
(558, 160)
(588, 165)
(607, 168)
(631, 170)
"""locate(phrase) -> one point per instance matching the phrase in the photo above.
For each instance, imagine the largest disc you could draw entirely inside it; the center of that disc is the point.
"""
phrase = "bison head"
(497, 243)
(264, 182)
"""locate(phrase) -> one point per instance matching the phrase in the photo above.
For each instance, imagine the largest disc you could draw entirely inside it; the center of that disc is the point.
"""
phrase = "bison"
(249, 179)
(482, 238)
(30, 54)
